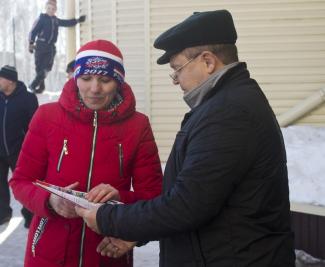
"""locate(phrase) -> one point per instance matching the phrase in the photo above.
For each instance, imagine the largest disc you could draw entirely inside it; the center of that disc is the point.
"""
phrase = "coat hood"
(69, 100)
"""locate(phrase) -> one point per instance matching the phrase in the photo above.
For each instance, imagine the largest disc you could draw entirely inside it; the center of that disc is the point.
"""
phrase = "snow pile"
(305, 147)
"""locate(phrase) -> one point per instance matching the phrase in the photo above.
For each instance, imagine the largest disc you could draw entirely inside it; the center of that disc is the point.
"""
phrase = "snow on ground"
(305, 147)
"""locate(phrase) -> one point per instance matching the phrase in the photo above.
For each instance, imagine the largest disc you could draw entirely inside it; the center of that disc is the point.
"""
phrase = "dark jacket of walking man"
(225, 199)
(17, 107)
(45, 33)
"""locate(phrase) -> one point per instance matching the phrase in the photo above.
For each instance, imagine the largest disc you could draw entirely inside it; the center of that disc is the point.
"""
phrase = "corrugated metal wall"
(309, 230)
(283, 42)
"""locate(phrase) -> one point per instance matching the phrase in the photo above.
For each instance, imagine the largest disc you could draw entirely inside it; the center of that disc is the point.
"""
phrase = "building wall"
(282, 41)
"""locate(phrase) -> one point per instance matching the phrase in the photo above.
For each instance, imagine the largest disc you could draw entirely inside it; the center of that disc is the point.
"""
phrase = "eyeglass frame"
(173, 75)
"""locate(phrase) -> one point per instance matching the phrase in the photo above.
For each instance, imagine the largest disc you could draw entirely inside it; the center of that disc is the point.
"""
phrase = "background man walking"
(17, 107)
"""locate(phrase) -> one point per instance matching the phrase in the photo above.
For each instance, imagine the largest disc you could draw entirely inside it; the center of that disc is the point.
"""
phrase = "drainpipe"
(302, 108)
(70, 8)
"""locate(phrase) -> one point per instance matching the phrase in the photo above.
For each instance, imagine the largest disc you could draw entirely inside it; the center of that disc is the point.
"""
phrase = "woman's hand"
(62, 207)
(114, 247)
(103, 192)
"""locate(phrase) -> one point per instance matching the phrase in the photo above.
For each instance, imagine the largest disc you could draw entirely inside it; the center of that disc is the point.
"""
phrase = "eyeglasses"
(175, 73)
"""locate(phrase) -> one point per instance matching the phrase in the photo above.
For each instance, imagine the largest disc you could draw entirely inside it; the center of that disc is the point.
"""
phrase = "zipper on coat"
(4, 127)
(38, 233)
(52, 31)
(64, 151)
(120, 158)
(95, 125)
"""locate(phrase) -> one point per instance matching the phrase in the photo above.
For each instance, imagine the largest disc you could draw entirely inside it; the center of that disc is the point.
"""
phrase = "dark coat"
(226, 199)
(46, 28)
(16, 111)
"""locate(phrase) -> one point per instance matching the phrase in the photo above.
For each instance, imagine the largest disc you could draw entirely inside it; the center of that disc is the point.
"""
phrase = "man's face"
(4, 84)
(189, 73)
(50, 9)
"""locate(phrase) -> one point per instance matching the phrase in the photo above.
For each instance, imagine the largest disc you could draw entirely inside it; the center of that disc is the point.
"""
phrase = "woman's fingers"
(102, 193)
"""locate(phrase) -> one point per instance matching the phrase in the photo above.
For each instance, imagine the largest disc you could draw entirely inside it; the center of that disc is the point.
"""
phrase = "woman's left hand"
(102, 193)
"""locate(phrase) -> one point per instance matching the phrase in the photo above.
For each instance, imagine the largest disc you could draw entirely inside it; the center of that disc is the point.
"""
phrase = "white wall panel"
(282, 41)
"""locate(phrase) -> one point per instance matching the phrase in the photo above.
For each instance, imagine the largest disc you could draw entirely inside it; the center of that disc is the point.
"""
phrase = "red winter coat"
(58, 149)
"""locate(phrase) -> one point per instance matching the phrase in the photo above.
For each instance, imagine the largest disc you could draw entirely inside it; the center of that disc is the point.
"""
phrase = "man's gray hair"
(227, 53)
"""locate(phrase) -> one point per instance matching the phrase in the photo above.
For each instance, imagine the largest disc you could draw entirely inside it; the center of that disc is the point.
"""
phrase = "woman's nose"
(95, 86)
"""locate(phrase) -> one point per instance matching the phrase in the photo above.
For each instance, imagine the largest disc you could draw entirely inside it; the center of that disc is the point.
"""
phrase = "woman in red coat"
(92, 137)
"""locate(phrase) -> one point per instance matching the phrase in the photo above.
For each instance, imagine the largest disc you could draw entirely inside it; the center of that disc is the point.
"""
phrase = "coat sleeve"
(36, 29)
(32, 165)
(32, 105)
(211, 168)
(67, 22)
(146, 173)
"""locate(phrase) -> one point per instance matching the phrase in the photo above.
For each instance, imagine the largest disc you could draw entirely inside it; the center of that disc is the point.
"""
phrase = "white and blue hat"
(100, 57)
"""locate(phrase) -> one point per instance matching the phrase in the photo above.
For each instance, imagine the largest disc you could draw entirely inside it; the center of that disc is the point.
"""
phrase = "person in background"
(45, 33)
(17, 107)
(225, 200)
(70, 69)
(91, 139)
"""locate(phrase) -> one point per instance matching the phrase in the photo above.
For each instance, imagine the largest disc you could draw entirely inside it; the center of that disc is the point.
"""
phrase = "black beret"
(9, 73)
(201, 28)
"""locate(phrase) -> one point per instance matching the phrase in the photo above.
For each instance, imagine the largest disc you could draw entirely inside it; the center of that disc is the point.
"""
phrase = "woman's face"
(97, 91)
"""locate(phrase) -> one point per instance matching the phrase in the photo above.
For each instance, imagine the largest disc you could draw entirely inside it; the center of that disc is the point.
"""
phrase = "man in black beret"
(225, 201)
(17, 107)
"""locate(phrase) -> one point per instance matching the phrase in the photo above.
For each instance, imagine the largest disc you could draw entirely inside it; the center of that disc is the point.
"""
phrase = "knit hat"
(9, 73)
(100, 57)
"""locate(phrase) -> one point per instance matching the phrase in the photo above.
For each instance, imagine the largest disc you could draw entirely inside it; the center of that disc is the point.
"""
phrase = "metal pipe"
(302, 108)
(71, 31)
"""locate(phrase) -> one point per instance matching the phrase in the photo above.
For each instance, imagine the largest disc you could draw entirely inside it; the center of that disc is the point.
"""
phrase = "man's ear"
(212, 62)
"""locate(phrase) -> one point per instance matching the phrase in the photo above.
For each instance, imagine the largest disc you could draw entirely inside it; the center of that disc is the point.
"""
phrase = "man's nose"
(175, 81)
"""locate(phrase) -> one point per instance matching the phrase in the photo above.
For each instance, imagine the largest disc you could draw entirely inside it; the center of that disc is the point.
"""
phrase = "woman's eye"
(105, 80)
(85, 77)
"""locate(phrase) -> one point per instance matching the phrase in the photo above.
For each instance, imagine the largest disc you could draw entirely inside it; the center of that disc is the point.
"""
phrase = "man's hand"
(89, 217)
(82, 18)
(114, 247)
(62, 206)
(31, 48)
(103, 192)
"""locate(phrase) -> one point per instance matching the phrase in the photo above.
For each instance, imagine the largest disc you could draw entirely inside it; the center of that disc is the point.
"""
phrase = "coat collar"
(69, 100)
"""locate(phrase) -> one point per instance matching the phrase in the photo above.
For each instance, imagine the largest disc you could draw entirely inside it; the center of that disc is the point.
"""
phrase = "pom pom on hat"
(100, 57)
